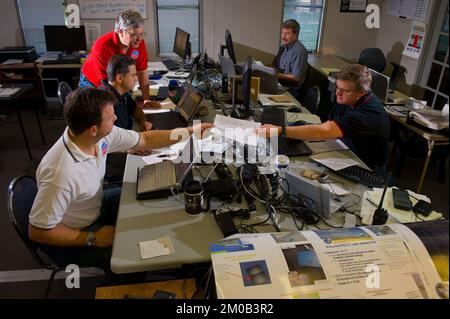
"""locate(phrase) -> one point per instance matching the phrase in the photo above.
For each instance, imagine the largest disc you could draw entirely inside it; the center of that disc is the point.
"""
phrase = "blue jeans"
(87, 256)
(84, 82)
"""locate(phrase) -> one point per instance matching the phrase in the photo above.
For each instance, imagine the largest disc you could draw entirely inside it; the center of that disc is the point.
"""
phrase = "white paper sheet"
(155, 111)
(8, 91)
(334, 160)
(265, 100)
(326, 146)
(241, 131)
(12, 61)
(154, 248)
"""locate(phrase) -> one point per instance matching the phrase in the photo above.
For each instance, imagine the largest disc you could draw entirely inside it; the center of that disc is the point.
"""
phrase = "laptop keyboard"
(157, 176)
(286, 146)
(170, 65)
(273, 115)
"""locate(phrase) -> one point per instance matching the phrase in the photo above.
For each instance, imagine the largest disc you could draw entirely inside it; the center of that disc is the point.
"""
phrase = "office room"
(136, 135)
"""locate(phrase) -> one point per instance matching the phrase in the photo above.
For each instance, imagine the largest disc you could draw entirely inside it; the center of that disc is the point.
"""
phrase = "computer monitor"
(228, 46)
(62, 38)
(268, 78)
(246, 89)
(380, 85)
(181, 43)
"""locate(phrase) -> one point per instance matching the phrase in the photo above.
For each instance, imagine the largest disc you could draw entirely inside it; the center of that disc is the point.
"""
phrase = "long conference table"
(191, 236)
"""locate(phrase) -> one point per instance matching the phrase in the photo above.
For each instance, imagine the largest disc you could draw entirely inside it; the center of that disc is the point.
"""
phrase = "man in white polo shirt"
(72, 218)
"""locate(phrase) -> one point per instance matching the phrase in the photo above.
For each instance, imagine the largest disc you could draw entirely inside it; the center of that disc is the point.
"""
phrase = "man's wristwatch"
(91, 239)
(283, 131)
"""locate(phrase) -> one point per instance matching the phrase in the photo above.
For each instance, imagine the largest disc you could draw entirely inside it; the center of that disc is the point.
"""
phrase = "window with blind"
(309, 14)
(177, 13)
(34, 15)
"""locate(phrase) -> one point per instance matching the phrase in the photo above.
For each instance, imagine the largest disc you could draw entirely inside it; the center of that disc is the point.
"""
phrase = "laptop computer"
(286, 146)
(157, 180)
(182, 115)
(163, 91)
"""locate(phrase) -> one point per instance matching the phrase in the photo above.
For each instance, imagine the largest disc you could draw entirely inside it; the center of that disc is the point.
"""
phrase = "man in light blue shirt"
(291, 60)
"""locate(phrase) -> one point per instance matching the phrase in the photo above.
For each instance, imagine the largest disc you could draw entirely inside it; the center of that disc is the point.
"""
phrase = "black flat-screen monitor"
(244, 111)
(62, 38)
(181, 43)
(229, 46)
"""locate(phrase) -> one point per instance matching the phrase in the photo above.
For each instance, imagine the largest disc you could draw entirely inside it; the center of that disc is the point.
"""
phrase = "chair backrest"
(312, 99)
(64, 90)
(373, 58)
(21, 193)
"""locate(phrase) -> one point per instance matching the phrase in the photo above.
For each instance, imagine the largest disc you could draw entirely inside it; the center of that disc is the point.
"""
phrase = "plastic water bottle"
(281, 164)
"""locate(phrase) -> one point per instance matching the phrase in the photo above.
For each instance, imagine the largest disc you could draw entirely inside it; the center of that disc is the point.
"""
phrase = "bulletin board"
(98, 9)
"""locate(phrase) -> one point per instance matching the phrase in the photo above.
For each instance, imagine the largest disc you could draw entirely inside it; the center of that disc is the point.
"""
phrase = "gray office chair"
(64, 90)
(312, 99)
(373, 58)
(21, 193)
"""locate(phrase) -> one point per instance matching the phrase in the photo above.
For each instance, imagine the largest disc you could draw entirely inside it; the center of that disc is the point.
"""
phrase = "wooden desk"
(183, 288)
(432, 139)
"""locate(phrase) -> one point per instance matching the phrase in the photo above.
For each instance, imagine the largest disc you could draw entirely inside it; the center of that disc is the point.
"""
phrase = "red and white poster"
(415, 40)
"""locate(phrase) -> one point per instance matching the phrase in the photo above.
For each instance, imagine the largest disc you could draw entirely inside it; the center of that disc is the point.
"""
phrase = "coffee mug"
(193, 197)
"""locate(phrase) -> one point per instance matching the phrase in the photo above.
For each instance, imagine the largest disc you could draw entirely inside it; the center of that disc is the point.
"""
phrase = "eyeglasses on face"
(339, 90)
(136, 35)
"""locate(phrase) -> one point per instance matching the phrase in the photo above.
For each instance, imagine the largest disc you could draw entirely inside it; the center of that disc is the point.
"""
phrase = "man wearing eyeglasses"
(358, 119)
(128, 39)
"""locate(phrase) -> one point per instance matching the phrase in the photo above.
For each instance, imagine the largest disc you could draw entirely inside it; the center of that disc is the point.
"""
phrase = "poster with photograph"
(414, 45)
(387, 261)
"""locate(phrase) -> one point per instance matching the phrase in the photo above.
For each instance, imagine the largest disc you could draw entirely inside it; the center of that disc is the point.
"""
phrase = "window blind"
(177, 13)
(34, 15)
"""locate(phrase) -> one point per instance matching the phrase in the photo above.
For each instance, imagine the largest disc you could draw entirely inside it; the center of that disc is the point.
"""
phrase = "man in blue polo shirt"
(292, 58)
(358, 119)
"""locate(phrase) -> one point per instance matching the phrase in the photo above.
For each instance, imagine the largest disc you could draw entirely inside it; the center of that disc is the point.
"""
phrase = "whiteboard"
(409, 9)
(98, 9)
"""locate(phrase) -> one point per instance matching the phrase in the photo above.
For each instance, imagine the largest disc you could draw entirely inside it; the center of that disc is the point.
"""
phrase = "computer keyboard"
(170, 65)
(362, 176)
(286, 146)
(273, 115)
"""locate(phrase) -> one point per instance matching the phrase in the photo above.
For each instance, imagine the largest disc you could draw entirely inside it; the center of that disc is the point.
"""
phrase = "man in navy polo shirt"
(358, 119)
(127, 38)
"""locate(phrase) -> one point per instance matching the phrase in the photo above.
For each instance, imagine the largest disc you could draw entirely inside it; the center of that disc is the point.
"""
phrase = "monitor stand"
(241, 114)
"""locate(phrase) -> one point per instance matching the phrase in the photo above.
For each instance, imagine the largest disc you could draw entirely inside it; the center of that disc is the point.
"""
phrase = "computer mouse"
(294, 109)
(298, 123)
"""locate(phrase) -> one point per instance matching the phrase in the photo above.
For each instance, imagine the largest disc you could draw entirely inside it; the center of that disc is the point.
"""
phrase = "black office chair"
(373, 58)
(64, 90)
(312, 99)
(21, 193)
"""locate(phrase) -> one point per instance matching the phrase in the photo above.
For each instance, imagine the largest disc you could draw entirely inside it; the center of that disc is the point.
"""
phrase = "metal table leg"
(23, 132)
(40, 126)
(425, 166)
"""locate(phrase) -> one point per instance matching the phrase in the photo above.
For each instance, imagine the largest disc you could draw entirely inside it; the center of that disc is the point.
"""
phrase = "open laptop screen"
(380, 85)
(186, 159)
(189, 102)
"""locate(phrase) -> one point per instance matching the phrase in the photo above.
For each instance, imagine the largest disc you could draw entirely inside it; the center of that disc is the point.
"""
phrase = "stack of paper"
(241, 131)
(276, 100)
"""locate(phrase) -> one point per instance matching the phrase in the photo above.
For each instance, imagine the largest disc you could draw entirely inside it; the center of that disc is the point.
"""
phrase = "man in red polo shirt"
(127, 38)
